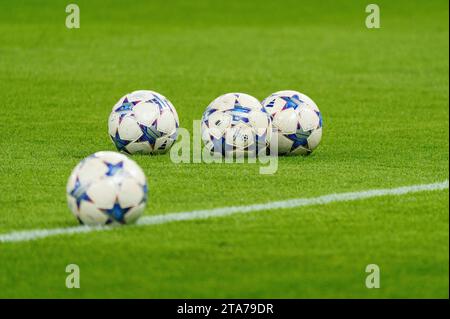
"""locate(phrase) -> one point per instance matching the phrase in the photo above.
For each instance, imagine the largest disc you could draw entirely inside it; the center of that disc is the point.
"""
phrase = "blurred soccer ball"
(143, 122)
(236, 124)
(107, 188)
(296, 120)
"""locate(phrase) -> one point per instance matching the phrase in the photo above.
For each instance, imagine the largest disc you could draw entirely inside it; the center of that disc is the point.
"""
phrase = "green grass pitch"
(384, 97)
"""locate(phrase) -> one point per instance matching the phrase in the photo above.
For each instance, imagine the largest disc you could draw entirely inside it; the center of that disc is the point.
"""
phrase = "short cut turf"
(383, 94)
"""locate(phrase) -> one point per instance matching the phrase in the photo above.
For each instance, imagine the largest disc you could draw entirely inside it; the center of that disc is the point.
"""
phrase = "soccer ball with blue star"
(143, 122)
(107, 188)
(297, 122)
(236, 124)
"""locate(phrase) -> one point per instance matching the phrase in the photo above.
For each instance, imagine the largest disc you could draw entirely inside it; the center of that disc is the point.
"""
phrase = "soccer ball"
(107, 188)
(143, 122)
(236, 124)
(296, 120)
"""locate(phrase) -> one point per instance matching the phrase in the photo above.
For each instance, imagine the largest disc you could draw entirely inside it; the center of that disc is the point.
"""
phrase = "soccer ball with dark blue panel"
(143, 122)
(107, 188)
(297, 122)
(236, 124)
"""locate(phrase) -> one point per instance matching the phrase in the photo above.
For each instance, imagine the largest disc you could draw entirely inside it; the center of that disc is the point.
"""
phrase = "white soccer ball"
(107, 188)
(296, 120)
(236, 124)
(143, 122)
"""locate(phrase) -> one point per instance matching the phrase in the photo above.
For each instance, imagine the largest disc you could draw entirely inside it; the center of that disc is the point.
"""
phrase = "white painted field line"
(20, 236)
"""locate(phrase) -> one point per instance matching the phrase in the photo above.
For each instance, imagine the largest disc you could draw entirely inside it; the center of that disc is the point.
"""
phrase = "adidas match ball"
(236, 124)
(296, 120)
(107, 188)
(143, 122)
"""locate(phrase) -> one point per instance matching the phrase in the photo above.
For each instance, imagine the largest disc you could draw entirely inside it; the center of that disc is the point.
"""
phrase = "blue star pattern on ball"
(300, 138)
(122, 116)
(238, 105)
(126, 106)
(218, 144)
(239, 113)
(158, 101)
(206, 114)
(113, 169)
(271, 103)
(120, 144)
(149, 133)
(291, 102)
(79, 192)
(117, 212)
(320, 118)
